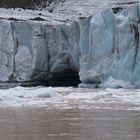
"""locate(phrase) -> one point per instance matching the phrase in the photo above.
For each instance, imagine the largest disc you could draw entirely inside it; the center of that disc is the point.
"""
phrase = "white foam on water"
(68, 97)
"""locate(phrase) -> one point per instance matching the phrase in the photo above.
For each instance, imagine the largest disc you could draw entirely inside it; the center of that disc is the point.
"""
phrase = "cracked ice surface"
(63, 98)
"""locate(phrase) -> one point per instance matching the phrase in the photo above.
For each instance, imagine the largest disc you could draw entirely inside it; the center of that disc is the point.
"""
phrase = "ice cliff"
(112, 48)
(32, 51)
(104, 49)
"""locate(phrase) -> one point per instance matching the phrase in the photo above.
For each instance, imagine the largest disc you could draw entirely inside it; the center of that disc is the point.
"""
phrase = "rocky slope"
(28, 4)
(101, 44)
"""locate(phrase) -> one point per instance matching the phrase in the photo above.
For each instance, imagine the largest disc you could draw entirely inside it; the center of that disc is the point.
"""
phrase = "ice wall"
(112, 49)
(32, 51)
(103, 48)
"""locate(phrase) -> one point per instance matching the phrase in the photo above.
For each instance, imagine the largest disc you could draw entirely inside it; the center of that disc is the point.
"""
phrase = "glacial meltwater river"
(42, 113)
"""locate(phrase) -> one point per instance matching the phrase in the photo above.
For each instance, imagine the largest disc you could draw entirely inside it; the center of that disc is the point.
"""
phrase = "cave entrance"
(61, 79)
(65, 78)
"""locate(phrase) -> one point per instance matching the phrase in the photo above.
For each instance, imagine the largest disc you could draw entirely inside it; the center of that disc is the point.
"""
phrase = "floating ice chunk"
(48, 94)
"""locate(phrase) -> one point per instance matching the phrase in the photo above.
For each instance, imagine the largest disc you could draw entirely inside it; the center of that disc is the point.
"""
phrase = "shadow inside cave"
(65, 78)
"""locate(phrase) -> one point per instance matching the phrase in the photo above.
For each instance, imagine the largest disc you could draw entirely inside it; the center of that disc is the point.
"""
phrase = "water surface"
(68, 124)
(41, 113)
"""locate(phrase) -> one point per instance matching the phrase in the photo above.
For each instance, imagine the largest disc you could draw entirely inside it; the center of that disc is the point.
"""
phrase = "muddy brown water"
(68, 124)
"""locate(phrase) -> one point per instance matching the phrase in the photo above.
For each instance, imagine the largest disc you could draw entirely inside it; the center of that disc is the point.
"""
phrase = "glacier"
(112, 49)
(103, 49)
(35, 52)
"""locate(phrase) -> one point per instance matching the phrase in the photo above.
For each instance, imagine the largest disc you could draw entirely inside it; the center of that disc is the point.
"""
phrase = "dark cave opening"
(64, 79)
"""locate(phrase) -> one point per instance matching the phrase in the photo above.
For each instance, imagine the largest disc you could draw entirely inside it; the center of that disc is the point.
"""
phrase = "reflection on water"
(68, 124)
